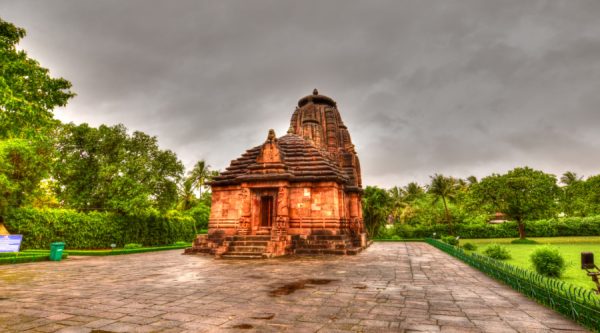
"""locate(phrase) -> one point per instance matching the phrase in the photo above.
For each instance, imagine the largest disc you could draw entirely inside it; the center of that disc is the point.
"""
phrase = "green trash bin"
(56, 251)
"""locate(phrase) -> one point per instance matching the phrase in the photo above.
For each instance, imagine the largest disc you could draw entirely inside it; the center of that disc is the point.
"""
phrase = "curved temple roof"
(317, 148)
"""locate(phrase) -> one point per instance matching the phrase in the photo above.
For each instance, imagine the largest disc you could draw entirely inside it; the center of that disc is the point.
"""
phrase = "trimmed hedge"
(26, 257)
(571, 226)
(94, 230)
(125, 251)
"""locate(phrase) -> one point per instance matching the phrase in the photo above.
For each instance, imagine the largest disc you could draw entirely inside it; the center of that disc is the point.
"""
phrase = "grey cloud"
(457, 87)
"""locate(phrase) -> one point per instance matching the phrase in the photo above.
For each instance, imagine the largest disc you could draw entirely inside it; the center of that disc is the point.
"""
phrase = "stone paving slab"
(390, 287)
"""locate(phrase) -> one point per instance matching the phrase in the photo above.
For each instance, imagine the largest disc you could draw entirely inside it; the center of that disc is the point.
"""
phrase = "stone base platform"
(266, 246)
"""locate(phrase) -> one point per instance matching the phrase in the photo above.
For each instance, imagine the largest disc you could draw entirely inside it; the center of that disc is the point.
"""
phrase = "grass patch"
(569, 247)
(111, 252)
(7, 258)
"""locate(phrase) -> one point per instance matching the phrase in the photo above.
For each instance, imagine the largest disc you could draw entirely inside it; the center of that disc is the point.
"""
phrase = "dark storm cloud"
(457, 87)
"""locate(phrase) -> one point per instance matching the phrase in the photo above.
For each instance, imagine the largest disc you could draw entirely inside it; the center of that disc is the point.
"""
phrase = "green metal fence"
(580, 304)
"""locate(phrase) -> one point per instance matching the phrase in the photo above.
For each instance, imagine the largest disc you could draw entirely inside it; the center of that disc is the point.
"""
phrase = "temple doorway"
(266, 211)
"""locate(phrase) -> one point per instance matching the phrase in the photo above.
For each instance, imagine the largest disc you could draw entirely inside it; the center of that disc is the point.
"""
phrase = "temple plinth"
(296, 194)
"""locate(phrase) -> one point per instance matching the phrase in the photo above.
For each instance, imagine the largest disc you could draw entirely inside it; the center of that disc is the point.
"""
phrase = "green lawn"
(569, 247)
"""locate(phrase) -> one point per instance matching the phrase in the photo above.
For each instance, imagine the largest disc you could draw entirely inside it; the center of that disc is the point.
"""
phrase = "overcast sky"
(454, 87)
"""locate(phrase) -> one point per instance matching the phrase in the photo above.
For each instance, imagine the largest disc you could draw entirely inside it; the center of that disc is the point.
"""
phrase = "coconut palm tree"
(397, 201)
(569, 178)
(186, 195)
(443, 188)
(472, 180)
(413, 191)
(199, 175)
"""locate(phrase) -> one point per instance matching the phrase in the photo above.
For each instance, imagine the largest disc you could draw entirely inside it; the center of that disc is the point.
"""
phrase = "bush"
(450, 240)
(96, 230)
(569, 226)
(497, 251)
(181, 243)
(132, 246)
(469, 246)
(523, 241)
(547, 261)
(200, 213)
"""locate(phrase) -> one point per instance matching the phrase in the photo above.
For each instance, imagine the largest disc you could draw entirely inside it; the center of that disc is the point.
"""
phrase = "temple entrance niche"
(264, 211)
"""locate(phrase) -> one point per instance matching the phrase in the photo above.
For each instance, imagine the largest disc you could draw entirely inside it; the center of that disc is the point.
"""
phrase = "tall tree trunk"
(521, 229)
(447, 216)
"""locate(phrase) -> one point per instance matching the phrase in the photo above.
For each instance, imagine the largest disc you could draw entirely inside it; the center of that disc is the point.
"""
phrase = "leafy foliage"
(22, 167)
(132, 246)
(444, 188)
(106, 169)
(93, 230)
(522, 194)
(497, 251)
(376, 203)
(27, 92)
(523, 241)
(450, 240)
(547, 261)
(469, 246)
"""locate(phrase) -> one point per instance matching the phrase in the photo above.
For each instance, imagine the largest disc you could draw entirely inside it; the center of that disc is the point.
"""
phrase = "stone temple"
(296, 194)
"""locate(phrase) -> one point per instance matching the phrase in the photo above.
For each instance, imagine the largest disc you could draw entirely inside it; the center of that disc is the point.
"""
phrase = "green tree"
(376, 207)
(106, 169)
(22, 167)
(200, 175)
(27, 92)
(472, 180)
(187, 198)
(591, 195)
(413, 191)
(397, 201)
(522, 194)
(573, 196)
(444, 189)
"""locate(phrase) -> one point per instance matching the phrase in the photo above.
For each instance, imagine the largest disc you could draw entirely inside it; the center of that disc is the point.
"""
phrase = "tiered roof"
(300, 161)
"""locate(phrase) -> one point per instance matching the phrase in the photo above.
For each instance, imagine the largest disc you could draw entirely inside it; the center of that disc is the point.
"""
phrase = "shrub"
(132, 246)
(181, 243)
(547, 261)
(569, 226)
(450, 240)
(469, 246)
(96, 230)
(497, 251)
(523, 241)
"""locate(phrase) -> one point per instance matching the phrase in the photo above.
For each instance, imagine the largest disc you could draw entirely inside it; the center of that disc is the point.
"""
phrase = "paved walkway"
(391, 287)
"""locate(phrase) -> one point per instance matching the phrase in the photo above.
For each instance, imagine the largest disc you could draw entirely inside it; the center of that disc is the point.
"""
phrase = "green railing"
(580, 304)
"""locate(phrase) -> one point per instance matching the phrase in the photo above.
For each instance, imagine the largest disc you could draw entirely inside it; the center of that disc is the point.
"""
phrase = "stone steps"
(242, 255)
(248, 243)
(248, 238)
(239, 248)
(246, 247)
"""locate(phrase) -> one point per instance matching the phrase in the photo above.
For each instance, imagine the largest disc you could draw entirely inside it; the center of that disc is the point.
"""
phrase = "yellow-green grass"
(569, 247)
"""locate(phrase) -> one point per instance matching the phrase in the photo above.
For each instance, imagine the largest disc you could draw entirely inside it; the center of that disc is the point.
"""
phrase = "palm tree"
(199, 175)
(443, 188)
(412, 191)
(397, 201)
(472, 180)
(186, 195)
(569, 178)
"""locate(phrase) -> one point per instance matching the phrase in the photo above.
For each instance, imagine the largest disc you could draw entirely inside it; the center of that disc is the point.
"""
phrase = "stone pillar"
(244, 226)
(279, 230)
